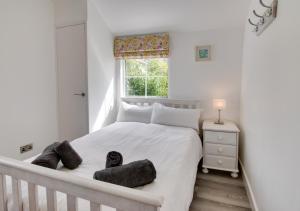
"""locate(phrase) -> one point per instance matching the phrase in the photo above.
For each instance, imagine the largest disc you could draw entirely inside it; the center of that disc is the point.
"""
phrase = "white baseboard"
(249, 189)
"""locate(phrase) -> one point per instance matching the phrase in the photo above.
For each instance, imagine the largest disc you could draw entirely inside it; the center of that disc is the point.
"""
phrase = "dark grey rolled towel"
(49, 158)
(131, 175)
(113, 159)
(69, 157)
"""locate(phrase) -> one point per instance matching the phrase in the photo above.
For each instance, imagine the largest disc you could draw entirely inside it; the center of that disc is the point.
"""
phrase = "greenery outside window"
(145, 77)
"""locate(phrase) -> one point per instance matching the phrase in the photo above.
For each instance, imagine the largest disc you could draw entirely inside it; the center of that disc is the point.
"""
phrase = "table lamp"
(220, 105)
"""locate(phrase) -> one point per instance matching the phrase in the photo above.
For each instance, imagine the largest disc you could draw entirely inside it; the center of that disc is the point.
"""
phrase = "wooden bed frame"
(96, 192)
(175, 103)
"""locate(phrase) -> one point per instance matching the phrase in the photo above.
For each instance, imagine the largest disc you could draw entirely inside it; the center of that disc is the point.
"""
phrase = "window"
(146, 77)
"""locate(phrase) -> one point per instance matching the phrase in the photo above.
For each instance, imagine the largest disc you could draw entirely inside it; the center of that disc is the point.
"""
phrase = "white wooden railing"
(98, 193)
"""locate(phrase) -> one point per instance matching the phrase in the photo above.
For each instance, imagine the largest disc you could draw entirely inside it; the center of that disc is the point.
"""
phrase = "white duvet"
(174, 151)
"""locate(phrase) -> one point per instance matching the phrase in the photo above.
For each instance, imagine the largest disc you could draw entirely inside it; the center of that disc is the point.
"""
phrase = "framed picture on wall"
(203, 53)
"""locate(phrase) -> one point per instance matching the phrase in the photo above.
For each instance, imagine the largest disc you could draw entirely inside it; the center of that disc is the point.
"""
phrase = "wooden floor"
(217, 191)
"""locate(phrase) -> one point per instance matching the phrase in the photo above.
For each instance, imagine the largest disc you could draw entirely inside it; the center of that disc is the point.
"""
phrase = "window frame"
(123, 80)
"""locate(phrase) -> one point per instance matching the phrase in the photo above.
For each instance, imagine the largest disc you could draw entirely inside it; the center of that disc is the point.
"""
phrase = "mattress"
(174, 151)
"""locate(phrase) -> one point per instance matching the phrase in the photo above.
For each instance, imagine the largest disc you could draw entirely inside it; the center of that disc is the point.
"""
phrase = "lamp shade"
(219, 104)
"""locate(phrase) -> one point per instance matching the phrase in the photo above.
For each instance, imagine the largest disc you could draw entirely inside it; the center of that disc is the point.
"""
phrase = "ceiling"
(145, 16)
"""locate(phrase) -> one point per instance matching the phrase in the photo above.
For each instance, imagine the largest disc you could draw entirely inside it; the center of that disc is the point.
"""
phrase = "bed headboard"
(175, 103)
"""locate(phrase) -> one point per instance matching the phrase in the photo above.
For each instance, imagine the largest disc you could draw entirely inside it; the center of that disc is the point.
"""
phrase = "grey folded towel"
(69, 157)
(131, 175)
(113, 159)
(49, 158)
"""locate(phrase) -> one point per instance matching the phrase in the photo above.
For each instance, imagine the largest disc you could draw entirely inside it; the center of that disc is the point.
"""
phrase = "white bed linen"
(174, 151)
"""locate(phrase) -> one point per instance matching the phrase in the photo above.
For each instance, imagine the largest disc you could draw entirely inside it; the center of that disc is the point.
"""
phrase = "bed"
(174, 151)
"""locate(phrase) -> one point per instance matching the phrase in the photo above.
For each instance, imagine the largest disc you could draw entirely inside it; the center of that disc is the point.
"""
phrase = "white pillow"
(175, 116)
(134, 113)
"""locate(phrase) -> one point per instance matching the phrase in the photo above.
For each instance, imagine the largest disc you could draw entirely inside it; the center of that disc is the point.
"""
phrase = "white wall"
(101, 62)
(219, 78)
(69, 12)
(270, 110)
(28, 111)
(101, 70)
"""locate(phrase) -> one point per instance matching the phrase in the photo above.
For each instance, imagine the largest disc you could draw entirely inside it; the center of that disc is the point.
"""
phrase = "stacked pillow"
(159, 114)
(180, 117)
(134, 113)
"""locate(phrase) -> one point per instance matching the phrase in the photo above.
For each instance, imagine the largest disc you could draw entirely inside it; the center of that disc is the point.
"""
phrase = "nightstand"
(220, 147)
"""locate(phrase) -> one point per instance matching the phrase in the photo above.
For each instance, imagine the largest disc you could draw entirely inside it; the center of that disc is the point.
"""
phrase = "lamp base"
(219, 123)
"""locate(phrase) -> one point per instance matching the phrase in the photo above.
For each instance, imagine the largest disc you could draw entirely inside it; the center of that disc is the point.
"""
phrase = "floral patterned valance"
(142, 46)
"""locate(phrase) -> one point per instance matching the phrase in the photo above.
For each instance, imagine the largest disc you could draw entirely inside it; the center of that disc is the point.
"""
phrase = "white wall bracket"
(266, 19)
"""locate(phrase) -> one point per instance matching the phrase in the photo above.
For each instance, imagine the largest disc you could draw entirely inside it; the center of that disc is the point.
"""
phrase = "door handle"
(80, 94)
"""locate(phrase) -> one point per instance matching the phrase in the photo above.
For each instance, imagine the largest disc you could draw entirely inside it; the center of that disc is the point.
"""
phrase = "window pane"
(157, 67)
(135, 86)
(146, 77)
(157, 86)
(135, 67)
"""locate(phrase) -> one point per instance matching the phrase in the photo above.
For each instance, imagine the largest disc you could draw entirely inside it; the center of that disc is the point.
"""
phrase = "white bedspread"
(174, 151)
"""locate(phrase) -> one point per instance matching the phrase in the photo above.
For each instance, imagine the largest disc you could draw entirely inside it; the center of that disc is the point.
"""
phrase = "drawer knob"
(220, 162)
(220, 149)
(220, 137)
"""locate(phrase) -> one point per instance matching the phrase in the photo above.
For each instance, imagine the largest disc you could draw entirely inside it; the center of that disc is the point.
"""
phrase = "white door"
(72, 82)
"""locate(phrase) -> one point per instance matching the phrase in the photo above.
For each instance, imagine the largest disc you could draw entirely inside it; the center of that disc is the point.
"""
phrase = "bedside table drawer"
(219, 162)
(220, 137)
(220, 150)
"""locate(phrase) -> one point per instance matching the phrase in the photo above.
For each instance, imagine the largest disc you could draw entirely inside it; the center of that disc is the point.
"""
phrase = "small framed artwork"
(203, 53)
